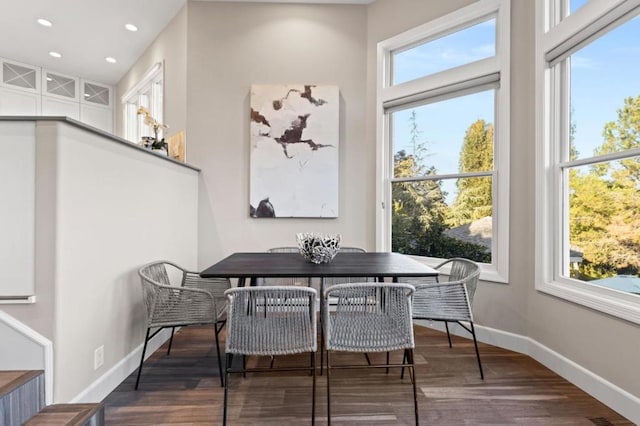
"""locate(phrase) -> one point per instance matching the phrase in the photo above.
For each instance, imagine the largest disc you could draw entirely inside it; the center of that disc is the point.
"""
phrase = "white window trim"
(551, 105)
(132, 122)
(464, 77)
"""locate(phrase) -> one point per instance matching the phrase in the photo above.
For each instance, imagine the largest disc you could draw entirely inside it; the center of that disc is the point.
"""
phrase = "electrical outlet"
(98, 357)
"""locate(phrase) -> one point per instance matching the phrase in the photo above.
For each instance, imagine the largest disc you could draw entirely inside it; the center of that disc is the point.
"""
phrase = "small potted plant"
(152, 142)
(159, 145)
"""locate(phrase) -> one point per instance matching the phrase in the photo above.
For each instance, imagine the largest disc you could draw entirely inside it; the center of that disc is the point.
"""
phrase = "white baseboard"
(604, 391)
(102, 387)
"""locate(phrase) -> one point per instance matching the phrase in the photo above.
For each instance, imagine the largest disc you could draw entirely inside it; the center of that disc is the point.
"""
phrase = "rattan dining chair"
(326, 282)
(369, 317)
(194, 301)
(270, 321)
(449, 301)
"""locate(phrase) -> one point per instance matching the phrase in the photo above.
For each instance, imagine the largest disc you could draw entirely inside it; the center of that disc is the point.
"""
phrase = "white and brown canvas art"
(294, 151)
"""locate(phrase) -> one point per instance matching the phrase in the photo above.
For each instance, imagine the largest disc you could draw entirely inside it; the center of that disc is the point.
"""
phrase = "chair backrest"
(329, 281)
(463, 270)
(155, 272)
(284, 250)
(152, 276)
(368, 317)
(167, 305)
(271, 320)
(286, 280)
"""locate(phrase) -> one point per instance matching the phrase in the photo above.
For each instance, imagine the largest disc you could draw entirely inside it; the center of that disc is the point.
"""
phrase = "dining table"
(253, 265)
(379, 265)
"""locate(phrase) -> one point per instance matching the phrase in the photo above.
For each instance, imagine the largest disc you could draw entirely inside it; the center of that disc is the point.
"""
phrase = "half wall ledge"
(92, 129)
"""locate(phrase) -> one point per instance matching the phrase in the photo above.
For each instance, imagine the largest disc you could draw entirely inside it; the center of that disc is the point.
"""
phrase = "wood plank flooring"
(184, 389)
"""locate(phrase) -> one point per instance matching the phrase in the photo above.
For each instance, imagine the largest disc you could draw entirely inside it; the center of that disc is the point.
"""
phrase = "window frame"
(557, 37)
(134, 126)
(469, 78)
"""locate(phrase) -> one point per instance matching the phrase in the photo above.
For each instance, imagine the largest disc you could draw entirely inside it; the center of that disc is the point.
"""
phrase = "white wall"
(104, 209)
(234, 45)
(117, 209)
(19, 352)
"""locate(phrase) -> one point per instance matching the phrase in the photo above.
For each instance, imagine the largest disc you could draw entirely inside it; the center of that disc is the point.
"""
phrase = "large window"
(443, 139)
(147, 93)
(589, 153)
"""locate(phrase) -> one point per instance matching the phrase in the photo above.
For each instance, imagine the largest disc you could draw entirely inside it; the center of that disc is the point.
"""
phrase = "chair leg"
(405, 358)
(328, 390)
(366, 355)
(173, 329)
(446, 325)
(313, 391)
(244, 366)
(217, 331)
(412, 367)
(387, 362)
(321, 348)
(229, 362)
(475, 343)
(144, 349)
(321, 325)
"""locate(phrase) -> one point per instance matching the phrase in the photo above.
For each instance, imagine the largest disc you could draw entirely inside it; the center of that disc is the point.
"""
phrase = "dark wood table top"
(274, 265)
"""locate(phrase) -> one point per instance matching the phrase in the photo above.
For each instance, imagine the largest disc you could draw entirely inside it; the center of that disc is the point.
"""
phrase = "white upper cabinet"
(15, 75)
(59, 85)
(30, 90)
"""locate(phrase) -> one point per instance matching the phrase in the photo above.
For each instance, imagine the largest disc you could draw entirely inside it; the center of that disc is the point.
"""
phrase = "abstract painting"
(294, 151)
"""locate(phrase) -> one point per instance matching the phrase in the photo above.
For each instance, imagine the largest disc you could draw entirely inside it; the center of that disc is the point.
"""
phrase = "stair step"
(69, 415)
(12, 380)
(21, 396)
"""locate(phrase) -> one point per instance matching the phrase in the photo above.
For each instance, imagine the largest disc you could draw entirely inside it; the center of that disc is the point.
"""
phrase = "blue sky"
(603, 74)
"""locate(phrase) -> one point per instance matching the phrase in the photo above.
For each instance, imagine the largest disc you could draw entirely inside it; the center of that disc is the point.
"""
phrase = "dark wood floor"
(184, 389)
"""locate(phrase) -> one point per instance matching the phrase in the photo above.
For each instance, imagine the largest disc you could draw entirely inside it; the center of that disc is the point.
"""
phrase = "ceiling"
(85, 32)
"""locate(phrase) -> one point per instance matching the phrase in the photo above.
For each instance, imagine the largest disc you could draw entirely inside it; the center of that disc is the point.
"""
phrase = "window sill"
(618, 304)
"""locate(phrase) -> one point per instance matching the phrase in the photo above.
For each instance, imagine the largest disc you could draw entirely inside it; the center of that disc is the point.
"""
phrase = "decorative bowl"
(318, 248)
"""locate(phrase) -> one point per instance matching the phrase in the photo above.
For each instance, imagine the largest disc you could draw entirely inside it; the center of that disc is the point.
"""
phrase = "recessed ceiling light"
(110, 60)
(55, 55)
(44, 22)
(131, 27)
